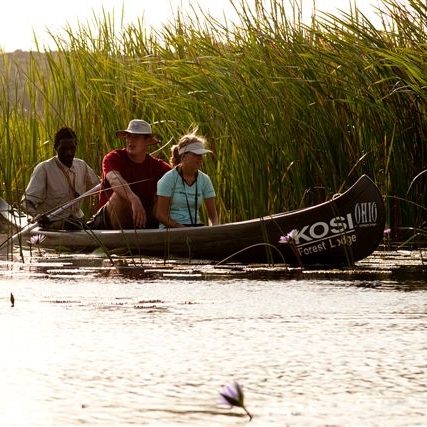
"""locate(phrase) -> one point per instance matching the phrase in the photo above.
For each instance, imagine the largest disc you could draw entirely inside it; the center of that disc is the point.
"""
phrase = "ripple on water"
(110, 350)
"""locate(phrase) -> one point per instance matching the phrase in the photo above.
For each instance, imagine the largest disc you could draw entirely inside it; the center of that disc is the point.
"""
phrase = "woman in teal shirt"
(181, 191)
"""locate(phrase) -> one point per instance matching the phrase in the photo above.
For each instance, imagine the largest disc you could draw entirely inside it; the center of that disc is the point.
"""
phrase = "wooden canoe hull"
(335, 233)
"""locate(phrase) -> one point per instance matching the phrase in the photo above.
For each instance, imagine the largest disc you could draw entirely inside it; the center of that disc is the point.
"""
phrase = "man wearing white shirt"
(57, 181)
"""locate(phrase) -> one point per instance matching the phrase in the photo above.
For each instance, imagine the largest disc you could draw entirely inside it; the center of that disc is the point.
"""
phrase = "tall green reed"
(294, 111)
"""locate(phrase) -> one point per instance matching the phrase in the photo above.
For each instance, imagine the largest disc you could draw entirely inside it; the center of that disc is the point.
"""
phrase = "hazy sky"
(19, 19)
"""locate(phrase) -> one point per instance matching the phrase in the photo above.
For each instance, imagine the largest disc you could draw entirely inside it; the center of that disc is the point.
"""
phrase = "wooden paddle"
(31, 225)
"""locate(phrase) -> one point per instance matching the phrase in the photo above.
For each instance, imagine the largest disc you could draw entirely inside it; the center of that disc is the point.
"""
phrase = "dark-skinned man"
(58, 180)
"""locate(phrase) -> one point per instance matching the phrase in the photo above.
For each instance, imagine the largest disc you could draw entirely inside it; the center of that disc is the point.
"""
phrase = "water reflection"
(399, 270)
(87, 343)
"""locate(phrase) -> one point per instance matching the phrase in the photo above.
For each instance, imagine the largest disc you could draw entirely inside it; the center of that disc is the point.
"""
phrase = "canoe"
(338, 232)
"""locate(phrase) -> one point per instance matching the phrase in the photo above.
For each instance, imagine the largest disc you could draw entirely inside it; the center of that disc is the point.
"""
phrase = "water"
(90, 346)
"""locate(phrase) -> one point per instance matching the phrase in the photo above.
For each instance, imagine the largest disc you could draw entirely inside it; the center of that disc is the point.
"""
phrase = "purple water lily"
(37, 239)
(290, 237)
(232, 395)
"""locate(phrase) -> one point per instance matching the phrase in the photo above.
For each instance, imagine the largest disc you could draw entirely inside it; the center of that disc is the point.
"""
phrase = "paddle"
(51, 214)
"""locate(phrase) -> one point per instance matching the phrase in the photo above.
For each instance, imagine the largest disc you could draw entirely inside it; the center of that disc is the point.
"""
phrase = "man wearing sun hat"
(129, 178)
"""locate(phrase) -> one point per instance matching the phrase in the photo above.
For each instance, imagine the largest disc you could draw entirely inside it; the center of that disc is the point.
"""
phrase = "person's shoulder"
(117, 152)
(160, 163)
(205, 180)
(78, 161)
(170, 174)
(48, 161)
(45, 163)
(204, 175)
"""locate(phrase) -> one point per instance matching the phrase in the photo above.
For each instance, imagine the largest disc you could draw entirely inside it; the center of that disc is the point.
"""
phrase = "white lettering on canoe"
(366, 213)
(331, 243)
(321, 230)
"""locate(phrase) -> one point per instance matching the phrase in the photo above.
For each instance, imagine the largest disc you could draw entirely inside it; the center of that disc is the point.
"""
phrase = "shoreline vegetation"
(293, 112)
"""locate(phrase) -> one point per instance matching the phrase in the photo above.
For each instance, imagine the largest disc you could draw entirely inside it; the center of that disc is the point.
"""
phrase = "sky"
(20, 19)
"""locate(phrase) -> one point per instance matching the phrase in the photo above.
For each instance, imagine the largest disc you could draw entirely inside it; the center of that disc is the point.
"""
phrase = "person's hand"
(43, 221)
(139, 215)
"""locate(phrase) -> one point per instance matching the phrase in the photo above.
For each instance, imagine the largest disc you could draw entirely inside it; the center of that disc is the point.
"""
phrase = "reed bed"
(293, 111)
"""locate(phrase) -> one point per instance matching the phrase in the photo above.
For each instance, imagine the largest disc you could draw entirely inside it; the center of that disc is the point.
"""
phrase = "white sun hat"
(137, 127)
(194, 147)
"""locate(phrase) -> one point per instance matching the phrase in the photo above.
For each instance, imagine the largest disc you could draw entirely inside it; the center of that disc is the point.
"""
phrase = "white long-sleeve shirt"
(49, 187)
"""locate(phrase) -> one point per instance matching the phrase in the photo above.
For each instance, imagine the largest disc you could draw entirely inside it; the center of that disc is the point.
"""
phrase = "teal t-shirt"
(183, 196)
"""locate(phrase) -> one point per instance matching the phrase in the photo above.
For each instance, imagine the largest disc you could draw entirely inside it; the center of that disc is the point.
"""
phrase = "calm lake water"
(90, 345)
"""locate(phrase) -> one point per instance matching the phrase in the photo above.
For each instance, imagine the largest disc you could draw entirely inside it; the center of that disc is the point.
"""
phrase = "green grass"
(293, 111)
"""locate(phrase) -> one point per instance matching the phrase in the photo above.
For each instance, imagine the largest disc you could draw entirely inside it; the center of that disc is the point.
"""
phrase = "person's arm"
(35, 193)
(29, 207)
(211, 208)
(123, 190)
(91, 179)
(162, 213)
